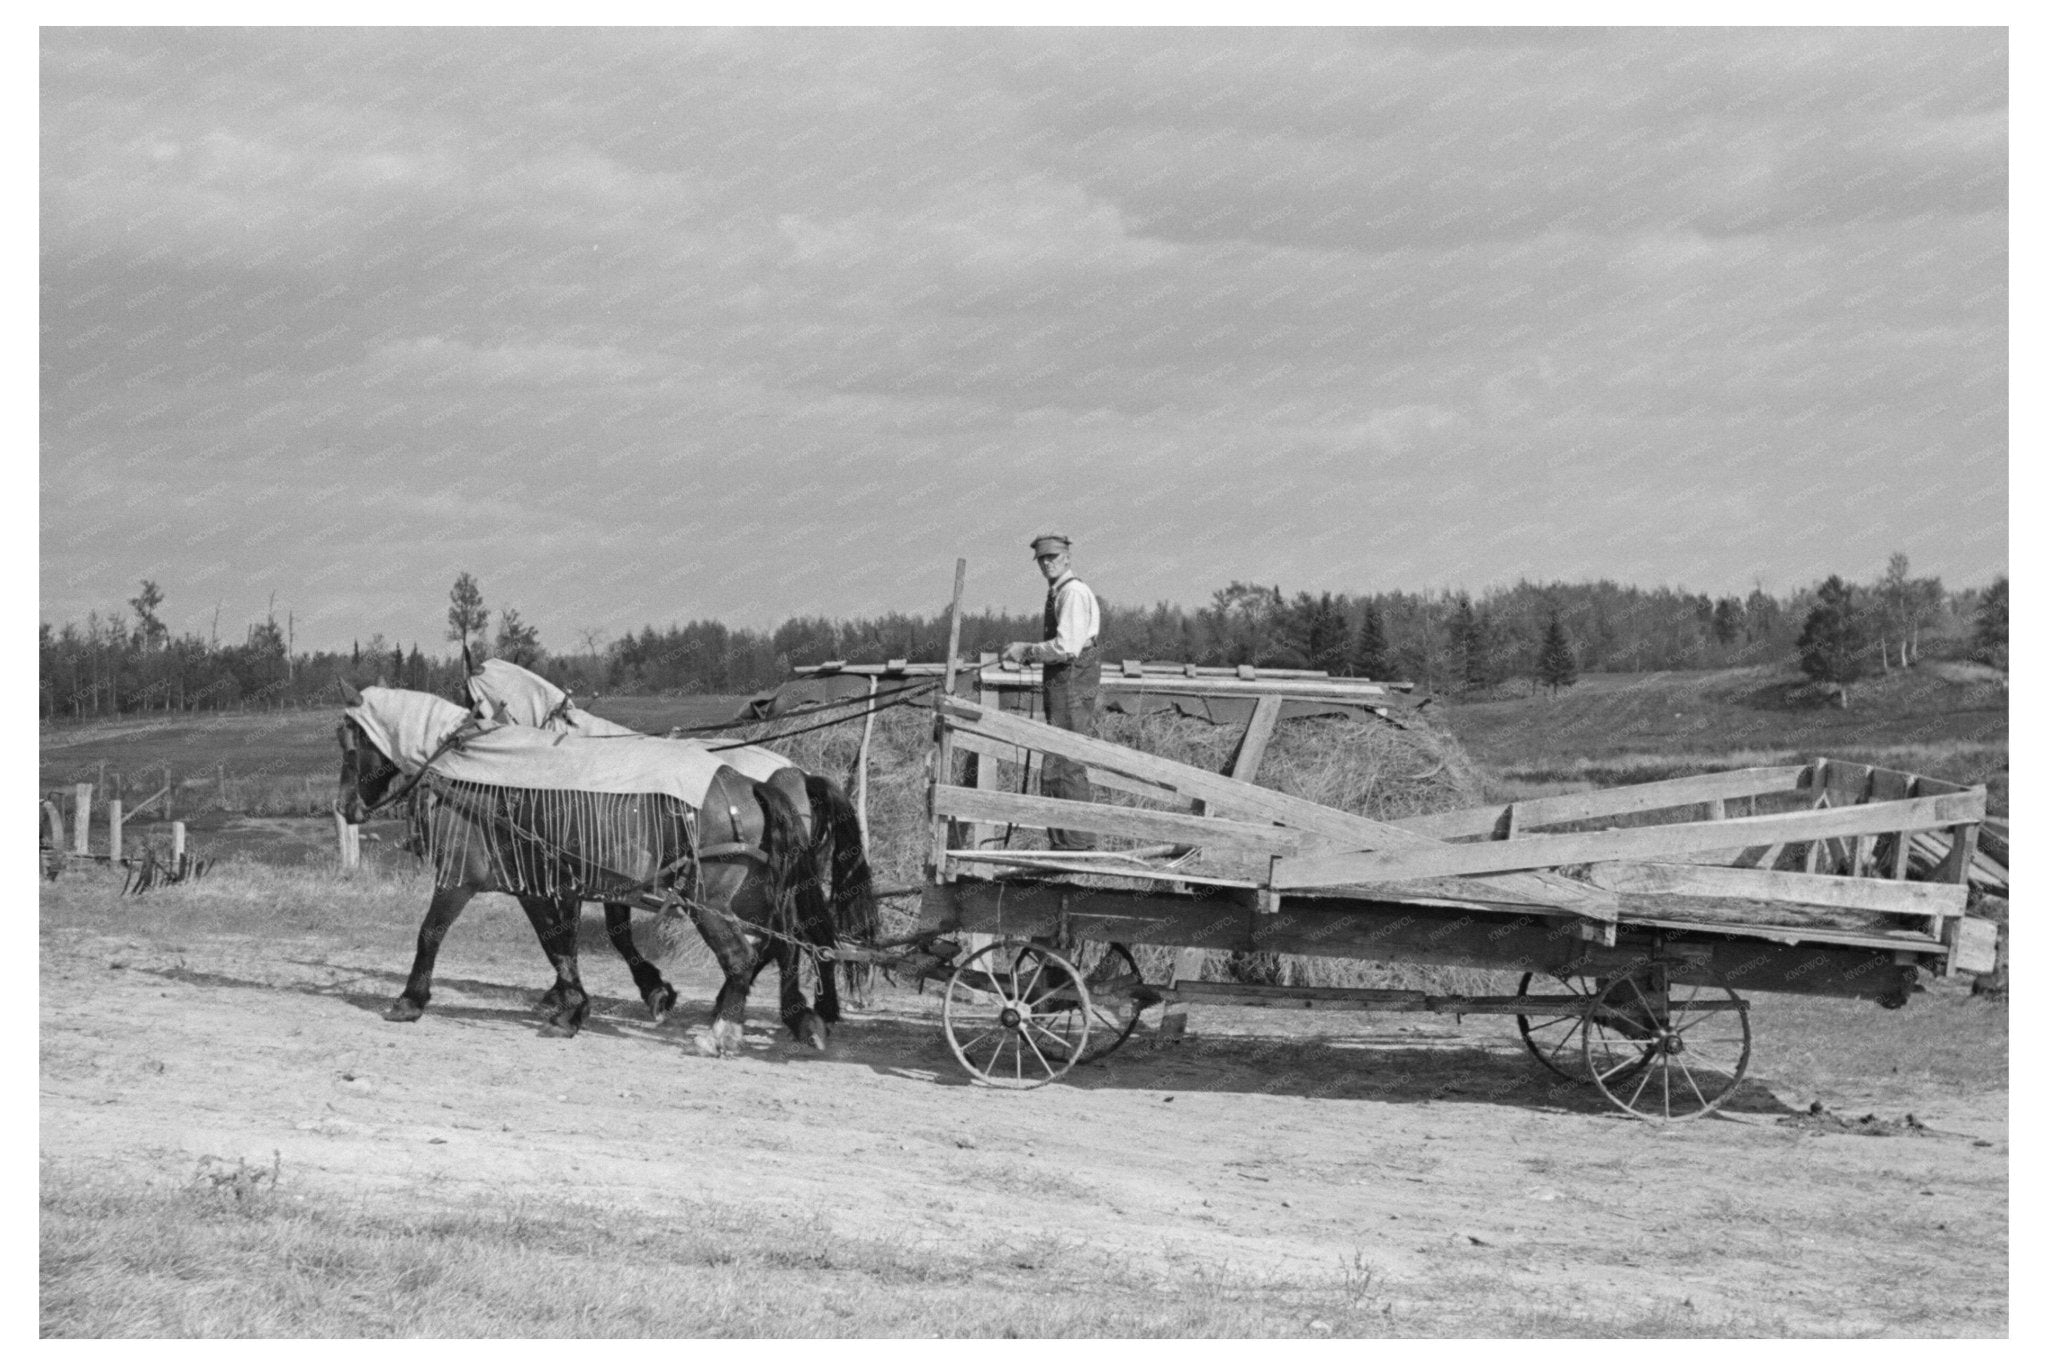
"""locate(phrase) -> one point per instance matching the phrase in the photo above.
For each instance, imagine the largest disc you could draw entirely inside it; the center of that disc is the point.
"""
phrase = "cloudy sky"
(639, 326)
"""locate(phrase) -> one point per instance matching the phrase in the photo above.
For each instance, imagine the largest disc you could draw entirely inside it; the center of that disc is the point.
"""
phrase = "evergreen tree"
(1472, 644)
(1727, 620)
(1555, 666)
(1832, 642)
(1323, 642)
(1988, 639)
(517, 641)
(467, 615)
(150, 631)
(1369, 648)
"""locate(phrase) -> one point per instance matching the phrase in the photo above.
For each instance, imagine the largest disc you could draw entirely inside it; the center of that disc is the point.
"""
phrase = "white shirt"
(1080, 621)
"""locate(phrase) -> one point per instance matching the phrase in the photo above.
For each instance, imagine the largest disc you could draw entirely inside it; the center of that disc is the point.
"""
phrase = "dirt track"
(1419, 1149)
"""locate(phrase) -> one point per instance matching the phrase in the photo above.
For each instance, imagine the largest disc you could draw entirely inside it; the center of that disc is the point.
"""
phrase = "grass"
(121, 1258)
(1940, 720)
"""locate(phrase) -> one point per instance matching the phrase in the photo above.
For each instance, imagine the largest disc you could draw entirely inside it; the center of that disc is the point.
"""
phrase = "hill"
(1947, 720)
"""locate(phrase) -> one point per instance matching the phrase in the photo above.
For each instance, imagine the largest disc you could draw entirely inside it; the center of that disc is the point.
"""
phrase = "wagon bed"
(1636, 913)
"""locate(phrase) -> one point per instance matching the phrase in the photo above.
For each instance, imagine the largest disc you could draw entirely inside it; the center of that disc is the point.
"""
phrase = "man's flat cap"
(1049, 545)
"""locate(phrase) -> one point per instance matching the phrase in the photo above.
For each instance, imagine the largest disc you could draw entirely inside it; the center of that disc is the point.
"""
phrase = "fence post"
(56, 814)
(346, 840)
(177, 847)
(81, 837)
(114, 833)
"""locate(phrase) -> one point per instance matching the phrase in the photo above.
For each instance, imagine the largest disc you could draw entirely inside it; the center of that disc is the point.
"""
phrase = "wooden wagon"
(1637, 915)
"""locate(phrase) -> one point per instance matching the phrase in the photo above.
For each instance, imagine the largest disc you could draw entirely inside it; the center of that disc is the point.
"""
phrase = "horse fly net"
(581, 844)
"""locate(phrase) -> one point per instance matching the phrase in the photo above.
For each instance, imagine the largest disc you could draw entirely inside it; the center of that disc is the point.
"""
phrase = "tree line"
(121, 662)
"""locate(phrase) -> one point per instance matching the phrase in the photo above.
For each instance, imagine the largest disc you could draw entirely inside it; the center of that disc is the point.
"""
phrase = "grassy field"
(1942, 720)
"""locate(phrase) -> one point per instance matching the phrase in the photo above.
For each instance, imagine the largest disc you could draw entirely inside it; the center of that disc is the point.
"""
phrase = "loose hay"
(1372, 768)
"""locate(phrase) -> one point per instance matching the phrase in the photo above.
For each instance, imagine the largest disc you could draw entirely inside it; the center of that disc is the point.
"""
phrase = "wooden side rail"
(1630, 800)
(1647, 842)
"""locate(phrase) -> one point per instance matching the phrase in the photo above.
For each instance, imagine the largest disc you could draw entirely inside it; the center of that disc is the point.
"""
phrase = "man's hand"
(1014, 652)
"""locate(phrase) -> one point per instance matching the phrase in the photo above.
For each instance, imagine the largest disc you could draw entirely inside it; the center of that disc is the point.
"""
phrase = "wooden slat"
(1258, 732)
(967, 742)
(1929, 899)
(1242, 799)
(1045, 860)
(1647, 842)
(1629, 800)
(1044, 812)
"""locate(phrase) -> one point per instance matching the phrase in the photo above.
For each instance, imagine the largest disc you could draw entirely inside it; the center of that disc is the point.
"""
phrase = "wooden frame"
(1681, 863)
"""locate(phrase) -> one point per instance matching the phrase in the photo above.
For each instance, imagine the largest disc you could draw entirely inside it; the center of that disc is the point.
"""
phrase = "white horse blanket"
(410, 728)
(502, 690)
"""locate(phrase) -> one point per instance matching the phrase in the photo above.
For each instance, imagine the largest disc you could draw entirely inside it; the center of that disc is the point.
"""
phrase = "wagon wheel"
(1552, 1032)
(1017, 1015)
(1116, 995)
(1664, 1054)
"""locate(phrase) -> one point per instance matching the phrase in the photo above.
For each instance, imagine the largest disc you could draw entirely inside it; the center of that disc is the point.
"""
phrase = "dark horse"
(736, 858)
(502, 690)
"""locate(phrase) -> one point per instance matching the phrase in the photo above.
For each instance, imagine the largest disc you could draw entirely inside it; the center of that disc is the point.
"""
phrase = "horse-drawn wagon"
(1637, 916)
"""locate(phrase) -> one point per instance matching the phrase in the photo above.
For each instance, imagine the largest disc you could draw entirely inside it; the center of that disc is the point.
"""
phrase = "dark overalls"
(1070, 691)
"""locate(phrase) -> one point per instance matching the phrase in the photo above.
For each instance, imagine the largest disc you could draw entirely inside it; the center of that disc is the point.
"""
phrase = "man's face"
(1052, 565)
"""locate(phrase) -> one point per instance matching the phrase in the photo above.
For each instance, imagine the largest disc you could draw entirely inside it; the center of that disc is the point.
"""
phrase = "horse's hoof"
(661, 1002)
(811, 1033)
(726, 1035)
(404, 1011)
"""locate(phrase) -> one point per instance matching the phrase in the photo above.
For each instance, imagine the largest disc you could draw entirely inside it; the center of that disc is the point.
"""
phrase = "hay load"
(1373, 768)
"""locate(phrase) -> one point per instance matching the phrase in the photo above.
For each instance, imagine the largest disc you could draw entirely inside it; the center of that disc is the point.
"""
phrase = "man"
(1073, 672)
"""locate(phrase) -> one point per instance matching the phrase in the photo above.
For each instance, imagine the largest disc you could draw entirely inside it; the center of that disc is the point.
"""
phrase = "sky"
(641, 326)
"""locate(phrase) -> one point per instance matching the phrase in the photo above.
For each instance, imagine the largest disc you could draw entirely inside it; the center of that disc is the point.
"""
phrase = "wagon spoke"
(1050, 1069)
(1698, 1094)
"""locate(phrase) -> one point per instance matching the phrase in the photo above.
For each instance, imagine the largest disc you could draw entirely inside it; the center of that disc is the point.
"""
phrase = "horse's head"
(366, 774)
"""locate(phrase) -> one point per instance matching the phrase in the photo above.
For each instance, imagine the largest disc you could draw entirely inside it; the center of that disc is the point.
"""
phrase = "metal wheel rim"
(1556, 1041)
(1110, 1021)
(1693, 1062)
(1001, 981)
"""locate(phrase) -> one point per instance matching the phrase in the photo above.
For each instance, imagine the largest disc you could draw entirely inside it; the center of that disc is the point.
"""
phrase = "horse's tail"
(792, 880)
(855, 912)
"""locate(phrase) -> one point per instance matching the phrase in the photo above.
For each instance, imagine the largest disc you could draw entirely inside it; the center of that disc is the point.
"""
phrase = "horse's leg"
(804, 1023)
(554, 924)
(647, 978)
(736, 959)
(821, 931)
(419, 986)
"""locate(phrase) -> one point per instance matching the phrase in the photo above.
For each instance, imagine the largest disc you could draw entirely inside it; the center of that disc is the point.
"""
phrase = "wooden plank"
(1962, 853)
(81, 814)
(985, 775)
(1242, 800)
(1350, 690)
(1887, 784)
(860, 767)
(967, 742)
(1647, 842)
(1044, 812)
(1258, 732)
(941, 828)
(1928, 899)
(1830, 963)
(1630, 800)
(1047, 860)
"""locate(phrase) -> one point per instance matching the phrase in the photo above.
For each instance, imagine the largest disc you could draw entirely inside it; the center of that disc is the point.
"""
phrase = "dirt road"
(1426, 1152)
